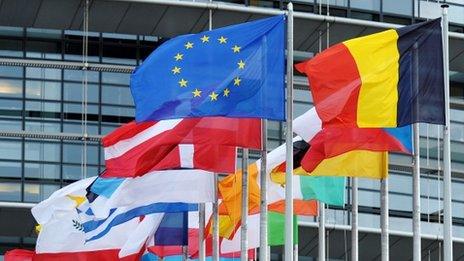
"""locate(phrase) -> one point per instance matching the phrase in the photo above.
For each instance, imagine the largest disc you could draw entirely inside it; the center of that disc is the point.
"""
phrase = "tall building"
(50, 127)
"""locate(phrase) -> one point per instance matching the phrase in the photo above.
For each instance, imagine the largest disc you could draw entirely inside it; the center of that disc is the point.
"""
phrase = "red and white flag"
(201, 143)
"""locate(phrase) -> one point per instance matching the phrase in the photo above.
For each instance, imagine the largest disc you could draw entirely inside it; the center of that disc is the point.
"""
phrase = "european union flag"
(234, 71)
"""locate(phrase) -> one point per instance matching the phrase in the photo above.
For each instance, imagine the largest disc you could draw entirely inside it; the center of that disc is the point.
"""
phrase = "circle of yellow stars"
(197, 93)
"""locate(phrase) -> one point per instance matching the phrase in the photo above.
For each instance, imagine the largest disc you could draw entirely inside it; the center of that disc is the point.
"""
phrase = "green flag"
(276, 229)
(330, 190)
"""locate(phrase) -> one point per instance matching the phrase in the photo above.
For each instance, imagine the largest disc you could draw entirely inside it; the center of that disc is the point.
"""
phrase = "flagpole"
(288, 140)
(263, 203)
(354, 219)
(384, 219)
(448, 221)
(321, 246)
(184, 253)
(215, 254)
(215, 221)
(244, 225)
(201, 231)
(416, 230)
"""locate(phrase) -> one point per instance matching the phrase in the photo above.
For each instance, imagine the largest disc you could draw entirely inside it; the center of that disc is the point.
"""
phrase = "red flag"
(204, 143)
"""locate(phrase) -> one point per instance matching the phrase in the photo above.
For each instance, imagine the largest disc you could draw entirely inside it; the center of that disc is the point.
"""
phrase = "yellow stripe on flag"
(377, 59)
(356, 163)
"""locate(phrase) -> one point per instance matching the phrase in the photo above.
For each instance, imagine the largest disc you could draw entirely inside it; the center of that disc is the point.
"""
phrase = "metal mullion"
(23, 127)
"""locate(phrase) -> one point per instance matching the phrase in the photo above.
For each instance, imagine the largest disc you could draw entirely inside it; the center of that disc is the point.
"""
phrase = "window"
(10, 149)
(373, 5)
(10, 169)
(399, 8)
(38, 192)
(120, 95)
(42, 126)
(11, 88)
(72, 153)
(72, 172)
(43, 90)
(43, 73)
(10, 191)
(73, 92)
(42, 171)
(78, 75)
(42, 151)
(11, 71)
(116, 78)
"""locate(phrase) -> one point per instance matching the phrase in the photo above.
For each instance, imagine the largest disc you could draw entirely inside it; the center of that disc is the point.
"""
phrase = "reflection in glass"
(10, 191)
(43, 90)
(38, 192)
(11, 88)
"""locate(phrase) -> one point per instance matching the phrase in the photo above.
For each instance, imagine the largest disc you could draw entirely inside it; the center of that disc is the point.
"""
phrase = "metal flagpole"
(288, 140)
(321, 253)
(447, 221)
(263, 203)
(184, 253)
(215, 220)
(354, 219)
(244, 225)
(215, 253)
(416, 229)
(201, 232)
(384, 220)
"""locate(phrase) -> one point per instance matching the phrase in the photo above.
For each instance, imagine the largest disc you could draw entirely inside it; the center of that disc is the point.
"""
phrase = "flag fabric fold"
(242, 74)
(202, 143)
(369, 81)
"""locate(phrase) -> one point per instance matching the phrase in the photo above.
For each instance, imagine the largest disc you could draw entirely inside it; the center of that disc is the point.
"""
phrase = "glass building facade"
(38, 96)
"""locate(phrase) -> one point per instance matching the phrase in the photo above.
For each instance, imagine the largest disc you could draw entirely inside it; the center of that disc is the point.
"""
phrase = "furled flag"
(389, 79)
(234, 71)
(202, 143)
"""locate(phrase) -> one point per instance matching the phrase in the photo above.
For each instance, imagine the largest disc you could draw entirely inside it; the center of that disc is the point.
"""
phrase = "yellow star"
(183, 83)
(226, 92)
(213, 96)
(179, 56)
(241, 64)
(236, 48)
(196, 93)
(188, 45)
(222, 40)
(175, 70)
(237, 81)
(204, 39)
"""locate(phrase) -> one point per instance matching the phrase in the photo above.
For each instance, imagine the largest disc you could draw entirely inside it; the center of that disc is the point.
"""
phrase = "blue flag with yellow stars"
(234, 71)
